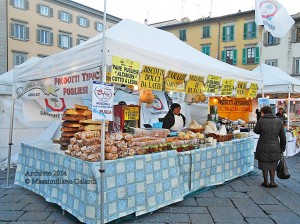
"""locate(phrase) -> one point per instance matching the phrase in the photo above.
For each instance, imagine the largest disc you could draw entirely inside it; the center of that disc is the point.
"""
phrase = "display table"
(138, 184)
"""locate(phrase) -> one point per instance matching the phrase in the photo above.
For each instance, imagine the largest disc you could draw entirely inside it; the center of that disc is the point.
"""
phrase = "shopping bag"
(282, 169)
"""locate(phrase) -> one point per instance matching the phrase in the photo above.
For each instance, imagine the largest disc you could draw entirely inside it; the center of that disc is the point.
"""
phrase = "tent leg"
(10, 141)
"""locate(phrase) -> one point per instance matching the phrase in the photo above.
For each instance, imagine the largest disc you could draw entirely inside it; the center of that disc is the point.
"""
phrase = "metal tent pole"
(102, 165)
(10, 141)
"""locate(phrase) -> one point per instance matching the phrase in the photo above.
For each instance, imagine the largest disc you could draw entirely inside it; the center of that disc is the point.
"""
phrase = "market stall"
(280, 87)
(159, 170)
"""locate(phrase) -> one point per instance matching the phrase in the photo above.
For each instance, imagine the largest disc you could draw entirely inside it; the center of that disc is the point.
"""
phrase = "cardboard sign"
(253, 90)
(175, 81)
(131, 113)
(213, 84)
(227, 87)
(241, 89)
(125, 71)
(194, 87)
(152, 78)
(197, 78)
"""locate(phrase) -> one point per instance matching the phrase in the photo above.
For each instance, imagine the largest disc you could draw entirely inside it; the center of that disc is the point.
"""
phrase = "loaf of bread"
(90, 127)
(67, 129)
(71, 124)
(111, 156)
(69, 117)
(89, 121)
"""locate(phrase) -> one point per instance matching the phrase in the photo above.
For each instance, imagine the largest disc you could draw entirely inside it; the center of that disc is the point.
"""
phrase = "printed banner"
(212, 84)
(234, 105)
(253, 90)
(175, 81)
(47, 109)
(125, 71)
(241, 89)
(102, 101)
(263, 102)
(77, 84)
(152, 78)
(131, 113)
(158, 109)
(227, 87)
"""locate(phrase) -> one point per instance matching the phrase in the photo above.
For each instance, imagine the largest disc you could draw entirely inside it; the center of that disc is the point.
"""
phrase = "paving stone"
(59, 217)
(248, 208)
(259, 221)
(263, 198)
(8, 206)
(226, 214)
(295, 210)
(227, 194)
(201, 218)
(244, 188)
(53, 207)
(32, 222)
(285, 217)
(275, 208)
(286, 196)
(223, 188)
(185, 209)
(15, 191)
(187, 202)
(34, 216)
(33, 199)
(214, 202)
(10, 215)
(36, 207)
(237, 182)
(163, 218)
(12, 198)
(207, 194)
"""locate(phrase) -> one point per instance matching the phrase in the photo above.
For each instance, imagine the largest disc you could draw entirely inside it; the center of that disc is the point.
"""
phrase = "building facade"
(231, 38)
(284, 53)
(43, 27)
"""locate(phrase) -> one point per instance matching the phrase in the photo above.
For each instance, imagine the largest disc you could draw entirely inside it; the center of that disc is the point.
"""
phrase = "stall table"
(136, 184)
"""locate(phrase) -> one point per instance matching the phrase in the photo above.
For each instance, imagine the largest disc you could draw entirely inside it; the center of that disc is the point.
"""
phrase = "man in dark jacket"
(174, 120)
(271, 144)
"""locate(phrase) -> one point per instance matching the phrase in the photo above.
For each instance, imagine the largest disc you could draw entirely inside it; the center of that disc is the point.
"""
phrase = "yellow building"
(43, 27)
(231, 38)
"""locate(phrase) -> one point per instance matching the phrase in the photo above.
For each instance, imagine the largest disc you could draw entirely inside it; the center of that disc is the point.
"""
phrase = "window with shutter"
(224, 56)
(19, 4)
(64, 16)
(19, 58)
(65, 41)
(99, 26)
(234, 61)
(249, 30)
(228, 33)
(298, 34)
(228, 56)
(296, 67)
(82, 21)
(44, 10)
(273, 62)
(206, 32)
(182, 35)
(206, 49)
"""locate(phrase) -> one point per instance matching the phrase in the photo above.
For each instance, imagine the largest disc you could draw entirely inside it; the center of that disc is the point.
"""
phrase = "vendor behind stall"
(174, 120)
(281, 115)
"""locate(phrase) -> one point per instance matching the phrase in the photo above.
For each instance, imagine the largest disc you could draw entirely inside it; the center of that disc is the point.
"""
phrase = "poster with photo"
(263, 102)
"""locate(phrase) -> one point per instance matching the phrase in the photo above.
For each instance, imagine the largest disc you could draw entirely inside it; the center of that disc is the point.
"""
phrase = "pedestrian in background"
(271, 144)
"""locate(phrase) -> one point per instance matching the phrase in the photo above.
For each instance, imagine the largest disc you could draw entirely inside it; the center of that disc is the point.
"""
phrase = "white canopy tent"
(277, 81)
(138, 42)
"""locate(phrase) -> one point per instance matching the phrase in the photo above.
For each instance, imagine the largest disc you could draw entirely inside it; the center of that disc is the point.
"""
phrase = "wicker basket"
(221, 138)
(198, 130)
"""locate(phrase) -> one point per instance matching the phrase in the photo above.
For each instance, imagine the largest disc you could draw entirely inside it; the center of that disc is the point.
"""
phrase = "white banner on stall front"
(102, 101)
(47, 109)
(158, 109)
(76, 84)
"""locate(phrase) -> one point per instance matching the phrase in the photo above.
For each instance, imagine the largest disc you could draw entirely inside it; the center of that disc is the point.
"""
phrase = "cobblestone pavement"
(242, 200)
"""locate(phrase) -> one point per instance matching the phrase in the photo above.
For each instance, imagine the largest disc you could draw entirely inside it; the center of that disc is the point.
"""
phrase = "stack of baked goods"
(71, 124)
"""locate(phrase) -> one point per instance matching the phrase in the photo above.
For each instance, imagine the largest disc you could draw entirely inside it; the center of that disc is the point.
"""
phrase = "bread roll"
(68, 134)
(71, 124)
(71, 111)
(89, 121)
(67, 129)
(70, 117)
(90, 127)
(111, 156)
(81, 107)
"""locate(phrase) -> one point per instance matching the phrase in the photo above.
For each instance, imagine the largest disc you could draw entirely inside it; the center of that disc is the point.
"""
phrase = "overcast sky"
(162, 10)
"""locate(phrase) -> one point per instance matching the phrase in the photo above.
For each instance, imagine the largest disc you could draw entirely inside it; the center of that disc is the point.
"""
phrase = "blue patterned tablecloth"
(137, 184)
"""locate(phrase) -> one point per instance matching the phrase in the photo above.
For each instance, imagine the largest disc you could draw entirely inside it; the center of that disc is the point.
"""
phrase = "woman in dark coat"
(271, 144)
(174, 120)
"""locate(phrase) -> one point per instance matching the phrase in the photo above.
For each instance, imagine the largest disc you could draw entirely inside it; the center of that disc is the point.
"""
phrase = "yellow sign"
(227, 87)
(253, 90)
(175, 81)
(125, 71)
(197, 78)
(234, 105)
(240, 89)
(152, 78)
(131, 113)
(212, 84)
(108, 77)
(193, 87)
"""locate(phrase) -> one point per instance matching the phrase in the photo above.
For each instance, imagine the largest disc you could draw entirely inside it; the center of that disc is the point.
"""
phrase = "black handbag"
(282, 169)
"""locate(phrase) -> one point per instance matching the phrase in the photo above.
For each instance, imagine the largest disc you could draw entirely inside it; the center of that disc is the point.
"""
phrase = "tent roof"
(138, 42)
(277, 81)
